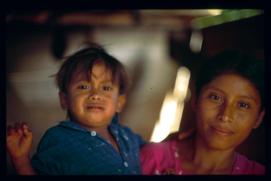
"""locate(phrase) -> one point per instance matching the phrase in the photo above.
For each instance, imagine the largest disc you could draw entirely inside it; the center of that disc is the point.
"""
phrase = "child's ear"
(259, 119)
(63, 100)
(121, 103)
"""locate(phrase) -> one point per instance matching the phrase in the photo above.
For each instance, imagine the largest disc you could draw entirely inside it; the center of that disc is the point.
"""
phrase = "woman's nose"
(226, 113)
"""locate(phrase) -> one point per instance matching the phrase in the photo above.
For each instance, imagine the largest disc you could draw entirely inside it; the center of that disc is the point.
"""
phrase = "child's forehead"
(97, 71)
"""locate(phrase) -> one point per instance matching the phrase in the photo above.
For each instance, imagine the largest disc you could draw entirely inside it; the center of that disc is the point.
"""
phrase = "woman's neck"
(205, 160)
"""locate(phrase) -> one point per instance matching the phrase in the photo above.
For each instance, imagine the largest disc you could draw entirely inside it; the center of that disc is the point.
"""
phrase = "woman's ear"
(121, 103)
(259, 119)
(63, 100)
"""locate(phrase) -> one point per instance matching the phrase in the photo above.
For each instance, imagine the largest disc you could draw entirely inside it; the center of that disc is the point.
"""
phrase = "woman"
(228, 105)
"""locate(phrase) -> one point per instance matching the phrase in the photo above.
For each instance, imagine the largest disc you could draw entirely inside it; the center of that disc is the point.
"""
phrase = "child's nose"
(95, 97)
(94, 94)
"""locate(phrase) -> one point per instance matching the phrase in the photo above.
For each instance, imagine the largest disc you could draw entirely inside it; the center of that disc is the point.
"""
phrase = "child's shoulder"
(126, 132)
(120, 128)
(54, 132)
(54, 128)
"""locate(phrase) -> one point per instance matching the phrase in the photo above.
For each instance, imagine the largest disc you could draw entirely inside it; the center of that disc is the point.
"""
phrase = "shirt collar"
(73, 125)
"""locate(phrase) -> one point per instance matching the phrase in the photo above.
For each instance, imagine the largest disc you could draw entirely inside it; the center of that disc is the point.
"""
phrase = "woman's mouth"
(222, 131)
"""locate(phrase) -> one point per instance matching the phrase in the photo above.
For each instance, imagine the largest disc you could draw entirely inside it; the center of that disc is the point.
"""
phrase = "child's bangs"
(86, 66)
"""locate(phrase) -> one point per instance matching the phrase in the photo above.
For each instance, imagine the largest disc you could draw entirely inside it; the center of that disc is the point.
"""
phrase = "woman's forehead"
(235, 84)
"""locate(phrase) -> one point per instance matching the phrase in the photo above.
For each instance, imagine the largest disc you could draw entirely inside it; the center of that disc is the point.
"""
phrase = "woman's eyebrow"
(244, 96)
(249, 97)
(214, 88)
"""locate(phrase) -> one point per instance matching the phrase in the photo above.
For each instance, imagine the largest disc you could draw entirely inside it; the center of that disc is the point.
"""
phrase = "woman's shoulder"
(161, 147)
(161, 153)
(155, 157)
(243, 165)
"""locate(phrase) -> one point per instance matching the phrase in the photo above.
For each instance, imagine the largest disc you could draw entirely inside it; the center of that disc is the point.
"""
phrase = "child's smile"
(95, 107)
(94, 102)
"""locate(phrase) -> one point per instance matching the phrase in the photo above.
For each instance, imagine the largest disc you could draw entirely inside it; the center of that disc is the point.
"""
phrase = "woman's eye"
(243, 105)
(214, 97)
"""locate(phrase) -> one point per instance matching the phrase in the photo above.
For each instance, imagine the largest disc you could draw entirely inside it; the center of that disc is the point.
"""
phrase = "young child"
(92, 87)
(229, 104)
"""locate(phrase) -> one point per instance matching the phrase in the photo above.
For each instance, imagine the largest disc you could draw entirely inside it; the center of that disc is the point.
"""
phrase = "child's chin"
(95, 120)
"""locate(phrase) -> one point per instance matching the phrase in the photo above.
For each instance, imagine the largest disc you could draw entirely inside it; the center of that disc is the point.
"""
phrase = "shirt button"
(93, 133)
(125, 137)
(125, 164)
(134, 172)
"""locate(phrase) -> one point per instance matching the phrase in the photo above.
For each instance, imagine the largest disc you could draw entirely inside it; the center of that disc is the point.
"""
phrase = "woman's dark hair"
(242, 64)
(86, 59)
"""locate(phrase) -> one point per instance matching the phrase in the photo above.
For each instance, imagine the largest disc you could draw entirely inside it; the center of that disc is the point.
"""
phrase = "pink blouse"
(162, 158)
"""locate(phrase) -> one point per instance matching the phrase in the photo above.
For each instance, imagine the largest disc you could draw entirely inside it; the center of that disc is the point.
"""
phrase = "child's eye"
(83, 87)
(243, 105)
(107, 88)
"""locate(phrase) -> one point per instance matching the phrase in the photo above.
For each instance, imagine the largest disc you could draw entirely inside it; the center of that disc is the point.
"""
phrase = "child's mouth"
(95, 108)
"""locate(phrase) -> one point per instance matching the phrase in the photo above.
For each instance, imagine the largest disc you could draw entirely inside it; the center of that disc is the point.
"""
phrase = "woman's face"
(228, 108)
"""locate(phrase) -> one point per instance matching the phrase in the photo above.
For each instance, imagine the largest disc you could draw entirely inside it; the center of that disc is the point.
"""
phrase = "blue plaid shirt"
(70, 149)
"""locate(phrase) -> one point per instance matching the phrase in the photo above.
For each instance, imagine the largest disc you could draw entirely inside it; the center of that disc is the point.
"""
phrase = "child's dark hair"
(86, 59)
(237, 62)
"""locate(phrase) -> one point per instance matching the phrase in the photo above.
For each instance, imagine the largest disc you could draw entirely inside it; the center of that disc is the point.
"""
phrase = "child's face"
(228, 108)
(93, 103)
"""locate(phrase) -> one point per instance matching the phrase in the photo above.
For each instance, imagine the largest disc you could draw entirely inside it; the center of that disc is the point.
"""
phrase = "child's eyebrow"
(82, 81)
